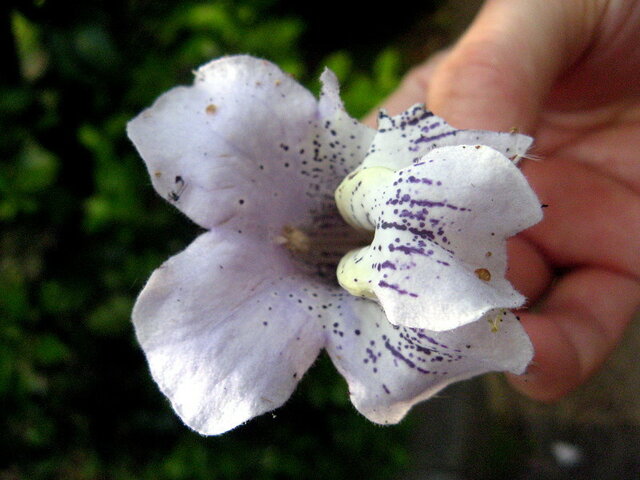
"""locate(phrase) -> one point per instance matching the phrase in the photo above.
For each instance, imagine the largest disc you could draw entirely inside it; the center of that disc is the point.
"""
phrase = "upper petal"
(438, 258)
(228, 328)
(405, 138)
(390, 368)
(245, 136)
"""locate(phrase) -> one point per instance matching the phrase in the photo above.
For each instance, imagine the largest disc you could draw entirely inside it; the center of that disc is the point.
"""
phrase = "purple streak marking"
(401, 291)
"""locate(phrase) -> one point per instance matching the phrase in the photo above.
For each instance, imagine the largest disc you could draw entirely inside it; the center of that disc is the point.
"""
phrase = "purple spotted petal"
(438, 258)
(228, 337)
(389, 368)
(230, 324)
(246, 135)
(404, 139)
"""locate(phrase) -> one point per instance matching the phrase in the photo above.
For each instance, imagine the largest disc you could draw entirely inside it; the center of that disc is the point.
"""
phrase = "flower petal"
(227, 334)
(389, 369)
(244, 134)
(405, 138)
(438, 258)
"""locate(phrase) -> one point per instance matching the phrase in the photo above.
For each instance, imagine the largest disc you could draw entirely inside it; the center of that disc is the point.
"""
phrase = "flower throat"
(323, 245)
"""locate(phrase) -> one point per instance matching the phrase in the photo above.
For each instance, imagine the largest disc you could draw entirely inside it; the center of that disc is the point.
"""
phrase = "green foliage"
(82, 230)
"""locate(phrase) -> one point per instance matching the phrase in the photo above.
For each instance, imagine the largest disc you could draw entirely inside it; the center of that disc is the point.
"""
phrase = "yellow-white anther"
(357, 194)
(495, 321)
(355, 273)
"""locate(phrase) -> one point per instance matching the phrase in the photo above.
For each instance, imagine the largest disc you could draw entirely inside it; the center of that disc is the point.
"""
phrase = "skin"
(567, 73)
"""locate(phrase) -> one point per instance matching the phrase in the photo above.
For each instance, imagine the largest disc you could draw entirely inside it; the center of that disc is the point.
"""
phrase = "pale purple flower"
(230, 325)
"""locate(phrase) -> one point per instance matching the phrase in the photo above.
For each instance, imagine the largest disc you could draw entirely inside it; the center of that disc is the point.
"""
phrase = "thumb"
(498, 74)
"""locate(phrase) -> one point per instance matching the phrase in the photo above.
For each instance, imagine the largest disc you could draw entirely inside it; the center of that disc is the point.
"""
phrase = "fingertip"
(479, 86)
(555, 368)
(528, 271)
(499, 73)
(576, 328)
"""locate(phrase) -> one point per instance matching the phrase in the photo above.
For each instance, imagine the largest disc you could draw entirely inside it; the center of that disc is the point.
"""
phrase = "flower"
(230, 325)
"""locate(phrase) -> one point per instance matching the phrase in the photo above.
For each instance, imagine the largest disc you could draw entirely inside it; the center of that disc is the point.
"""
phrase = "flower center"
(324, 243)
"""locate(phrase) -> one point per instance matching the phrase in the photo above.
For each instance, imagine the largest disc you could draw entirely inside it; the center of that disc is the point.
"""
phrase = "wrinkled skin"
(568, 74)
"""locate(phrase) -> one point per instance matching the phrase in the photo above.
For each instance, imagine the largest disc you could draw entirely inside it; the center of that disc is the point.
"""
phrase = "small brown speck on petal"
(483, 274)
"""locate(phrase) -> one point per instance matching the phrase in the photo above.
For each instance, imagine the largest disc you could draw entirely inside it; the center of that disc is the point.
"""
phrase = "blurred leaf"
(339, 63)
(388, 70)
(7, 362)
(116, 194)
(21, 182)
(14, 303)
(49, 350)
(36, 170)
(112, 317)
(95, 47)
(14, 101)
(32, 56)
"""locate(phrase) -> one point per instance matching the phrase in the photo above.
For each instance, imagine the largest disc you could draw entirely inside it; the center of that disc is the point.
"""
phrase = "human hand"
(567, 73)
